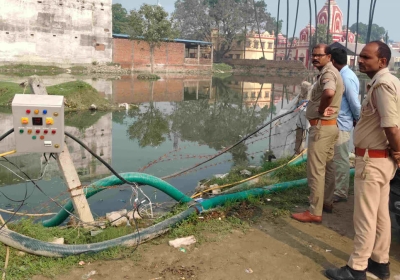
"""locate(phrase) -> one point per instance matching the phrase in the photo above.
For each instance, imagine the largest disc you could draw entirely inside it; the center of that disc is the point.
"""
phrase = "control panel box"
(38, 123)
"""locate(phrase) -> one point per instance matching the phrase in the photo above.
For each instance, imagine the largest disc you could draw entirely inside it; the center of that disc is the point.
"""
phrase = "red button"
(42, 137)
(28, 111)
(53, 132)
(38, 131)
(45, 132)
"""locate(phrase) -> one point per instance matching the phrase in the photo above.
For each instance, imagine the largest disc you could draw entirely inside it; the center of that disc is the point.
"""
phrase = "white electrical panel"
(38, 123)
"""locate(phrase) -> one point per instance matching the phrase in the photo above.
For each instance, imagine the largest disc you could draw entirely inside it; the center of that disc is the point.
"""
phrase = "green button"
(33, 137)
(21, 131)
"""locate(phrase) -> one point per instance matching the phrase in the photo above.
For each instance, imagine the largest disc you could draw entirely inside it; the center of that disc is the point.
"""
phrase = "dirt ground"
(275, 249)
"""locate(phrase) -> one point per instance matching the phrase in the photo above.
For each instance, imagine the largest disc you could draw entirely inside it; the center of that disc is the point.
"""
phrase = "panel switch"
(47, 143)
(24, 120)
(49, 121)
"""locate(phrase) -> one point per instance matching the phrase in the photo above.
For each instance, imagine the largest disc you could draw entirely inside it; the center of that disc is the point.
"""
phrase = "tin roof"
(184, 41)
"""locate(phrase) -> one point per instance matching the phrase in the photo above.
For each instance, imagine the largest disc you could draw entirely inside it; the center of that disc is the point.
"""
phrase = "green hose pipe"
(222, 199)
(41, 248)
(249, 184)
(100, 185)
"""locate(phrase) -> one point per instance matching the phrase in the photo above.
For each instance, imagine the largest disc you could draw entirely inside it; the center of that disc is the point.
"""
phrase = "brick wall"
(135, 55)
(132, 90)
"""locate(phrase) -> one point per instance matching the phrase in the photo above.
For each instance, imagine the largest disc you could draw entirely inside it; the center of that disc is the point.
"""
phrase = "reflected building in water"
(131, 90)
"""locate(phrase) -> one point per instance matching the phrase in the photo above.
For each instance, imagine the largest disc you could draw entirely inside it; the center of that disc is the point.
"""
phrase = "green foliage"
(151, 24)
(319, 37)
(377, 32)
(291, 173)
(196, 19)
(119, 19)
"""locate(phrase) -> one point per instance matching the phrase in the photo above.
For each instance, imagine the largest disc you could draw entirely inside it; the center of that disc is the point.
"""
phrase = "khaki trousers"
(321, 141)
(371, 211)
(339, 177)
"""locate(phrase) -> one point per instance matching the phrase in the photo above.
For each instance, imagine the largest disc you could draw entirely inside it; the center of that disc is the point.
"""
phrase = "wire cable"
(236, 144)
(6, 134)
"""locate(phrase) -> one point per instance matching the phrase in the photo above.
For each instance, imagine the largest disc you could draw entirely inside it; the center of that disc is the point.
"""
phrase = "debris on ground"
(184, 241)
(245, 172)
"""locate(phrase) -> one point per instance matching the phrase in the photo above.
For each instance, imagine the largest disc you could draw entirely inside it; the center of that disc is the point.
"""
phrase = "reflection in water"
(176, 123)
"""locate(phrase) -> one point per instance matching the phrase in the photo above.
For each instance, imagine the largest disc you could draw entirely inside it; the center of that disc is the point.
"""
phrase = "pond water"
(175, 123)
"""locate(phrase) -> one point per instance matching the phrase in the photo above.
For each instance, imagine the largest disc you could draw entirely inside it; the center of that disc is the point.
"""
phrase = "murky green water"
(176, 123)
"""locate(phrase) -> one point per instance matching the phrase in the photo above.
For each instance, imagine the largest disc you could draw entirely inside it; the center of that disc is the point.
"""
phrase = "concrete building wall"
(62, 32)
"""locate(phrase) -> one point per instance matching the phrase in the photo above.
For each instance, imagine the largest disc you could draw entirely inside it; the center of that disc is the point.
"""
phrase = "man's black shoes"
(380, 270)
(346, 273)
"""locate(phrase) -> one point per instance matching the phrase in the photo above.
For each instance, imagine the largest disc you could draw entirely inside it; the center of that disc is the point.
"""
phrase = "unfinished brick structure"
(170, 56)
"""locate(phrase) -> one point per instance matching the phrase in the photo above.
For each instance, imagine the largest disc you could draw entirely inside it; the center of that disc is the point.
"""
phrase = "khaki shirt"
(328, 78)
(380, 109)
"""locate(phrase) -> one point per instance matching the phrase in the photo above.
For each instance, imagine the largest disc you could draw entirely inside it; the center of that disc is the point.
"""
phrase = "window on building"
(248, 44)
(302, 59)
(231, 56)
(266, 94)
(269, 45)
(246, 94)
(256, 44)
(263, 45)
(238, 43)
(238, 56)
(253, 94)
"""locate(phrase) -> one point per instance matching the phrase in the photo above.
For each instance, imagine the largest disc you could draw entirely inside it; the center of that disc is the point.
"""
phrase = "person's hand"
(395, 156)
(329, 111)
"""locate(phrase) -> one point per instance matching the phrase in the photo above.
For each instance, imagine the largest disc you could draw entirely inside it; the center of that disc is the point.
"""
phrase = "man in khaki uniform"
(377, 142)
(322, 112)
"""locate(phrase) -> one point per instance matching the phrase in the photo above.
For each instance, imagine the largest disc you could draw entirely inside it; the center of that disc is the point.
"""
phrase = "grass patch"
(22, 70)
(148, 76)
(78, 69)
(210, 227)
(78, 95)
(222, 67)
(8, 90)
(23, 267)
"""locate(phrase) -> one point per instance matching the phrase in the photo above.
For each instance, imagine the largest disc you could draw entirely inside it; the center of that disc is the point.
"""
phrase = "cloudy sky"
(386, 12)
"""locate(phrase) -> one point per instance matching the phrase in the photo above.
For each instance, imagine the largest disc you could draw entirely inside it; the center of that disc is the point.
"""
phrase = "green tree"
(119, 19)
(319, 37)
(377, 32)
(152, 25)
(196, 19)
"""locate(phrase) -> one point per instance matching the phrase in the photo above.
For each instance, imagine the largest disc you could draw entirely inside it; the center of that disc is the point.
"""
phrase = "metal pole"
(277, 28)
(347, 24)
(287, 29)
(329, 22)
